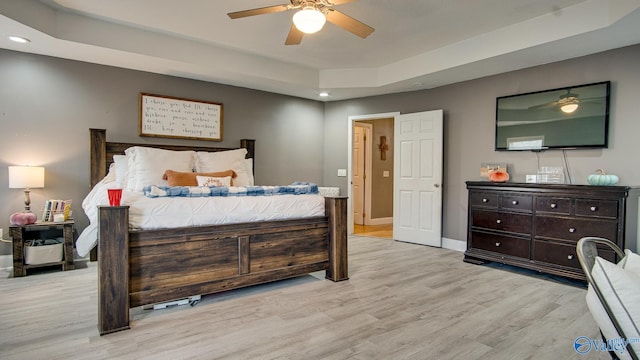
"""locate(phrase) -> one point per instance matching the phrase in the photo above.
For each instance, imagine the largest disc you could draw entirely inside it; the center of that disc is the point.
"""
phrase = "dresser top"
(534, 187)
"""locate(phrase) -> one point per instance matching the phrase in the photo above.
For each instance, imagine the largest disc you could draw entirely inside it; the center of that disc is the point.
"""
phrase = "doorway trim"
(350, 125)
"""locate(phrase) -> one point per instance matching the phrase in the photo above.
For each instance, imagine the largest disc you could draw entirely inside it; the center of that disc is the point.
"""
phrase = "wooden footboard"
(170, 264)
(145, 267)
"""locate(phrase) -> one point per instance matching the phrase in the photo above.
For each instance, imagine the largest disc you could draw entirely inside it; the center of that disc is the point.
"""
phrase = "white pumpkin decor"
(602, 179)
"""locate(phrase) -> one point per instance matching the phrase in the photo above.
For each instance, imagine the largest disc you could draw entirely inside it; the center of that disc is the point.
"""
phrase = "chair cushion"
(621, 290)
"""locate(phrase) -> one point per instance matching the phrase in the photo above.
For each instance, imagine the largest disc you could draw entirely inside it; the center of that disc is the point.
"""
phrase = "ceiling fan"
(311, 17)
(568, 102)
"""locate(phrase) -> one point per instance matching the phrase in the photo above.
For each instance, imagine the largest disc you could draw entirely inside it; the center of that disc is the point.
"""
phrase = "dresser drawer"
(480, 199)
(553, 205)
(563, 254)
(574, 229)
(506, 245)
(597, 208)
(516, 202)
(495, 220)
(555, 253)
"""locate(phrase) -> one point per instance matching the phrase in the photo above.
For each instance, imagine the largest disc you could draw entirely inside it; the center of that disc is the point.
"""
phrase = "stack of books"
(52, 207)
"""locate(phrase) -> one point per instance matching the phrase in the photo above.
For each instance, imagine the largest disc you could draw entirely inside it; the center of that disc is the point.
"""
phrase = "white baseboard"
(381, 221)
(452, 244)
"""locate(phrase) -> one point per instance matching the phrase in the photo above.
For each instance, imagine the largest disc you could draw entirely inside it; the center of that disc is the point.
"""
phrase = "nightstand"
(41, 230)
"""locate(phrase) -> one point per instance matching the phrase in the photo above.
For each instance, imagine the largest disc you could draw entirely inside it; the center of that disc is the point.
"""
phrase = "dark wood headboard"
(102, 151)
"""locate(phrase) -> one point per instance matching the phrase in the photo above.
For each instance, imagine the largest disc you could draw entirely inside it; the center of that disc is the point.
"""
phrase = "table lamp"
(25, 177)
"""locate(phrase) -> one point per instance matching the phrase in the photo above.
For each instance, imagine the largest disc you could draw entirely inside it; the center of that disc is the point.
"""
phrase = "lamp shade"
(22, 177)
(309, 20)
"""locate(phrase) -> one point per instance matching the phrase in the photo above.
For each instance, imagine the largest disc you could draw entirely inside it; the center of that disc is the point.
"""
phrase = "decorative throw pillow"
(223, 160)
(178, 178)
(213, 181)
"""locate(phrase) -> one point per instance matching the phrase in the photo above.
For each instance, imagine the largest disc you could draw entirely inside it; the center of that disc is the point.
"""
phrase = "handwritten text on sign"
(173, 117)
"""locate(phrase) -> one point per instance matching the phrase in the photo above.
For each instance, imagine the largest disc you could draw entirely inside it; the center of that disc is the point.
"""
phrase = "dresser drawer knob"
(553, 206)
(570, 257)
(593, 208)
(485, 200)
(572, 230)
(497, 244)
(498, 221)
(515, 202)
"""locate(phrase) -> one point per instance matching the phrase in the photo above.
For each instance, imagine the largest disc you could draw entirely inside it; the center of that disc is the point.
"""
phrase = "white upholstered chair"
(613, 295)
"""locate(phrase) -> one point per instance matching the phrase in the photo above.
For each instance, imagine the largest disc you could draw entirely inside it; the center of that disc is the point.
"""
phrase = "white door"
(361, 168)
(417, 194)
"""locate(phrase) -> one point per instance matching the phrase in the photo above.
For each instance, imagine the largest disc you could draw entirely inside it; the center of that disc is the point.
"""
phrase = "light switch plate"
(385, 173)
(342, 172)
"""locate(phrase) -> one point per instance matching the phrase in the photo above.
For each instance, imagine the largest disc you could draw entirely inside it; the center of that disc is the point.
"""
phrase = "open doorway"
(416, 176)
(372, 177)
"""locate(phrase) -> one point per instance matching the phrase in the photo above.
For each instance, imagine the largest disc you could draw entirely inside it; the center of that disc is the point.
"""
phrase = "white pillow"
(621, 290)
(631, 262)
(147, 165)
(602, 319)
(213, 181)
(248, 166)
(122, 169)
(225, 160)
(111, 174)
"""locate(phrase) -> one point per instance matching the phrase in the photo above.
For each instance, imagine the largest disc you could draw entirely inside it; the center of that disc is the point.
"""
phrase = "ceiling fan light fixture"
(569, 103)
(309, 20)
(569, 108)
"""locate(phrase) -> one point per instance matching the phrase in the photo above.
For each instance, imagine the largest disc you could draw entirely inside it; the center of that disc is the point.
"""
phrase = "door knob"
(436, 185)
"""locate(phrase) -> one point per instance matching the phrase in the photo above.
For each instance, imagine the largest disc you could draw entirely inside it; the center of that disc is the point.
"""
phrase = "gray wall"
(469, 116)
(47, 106)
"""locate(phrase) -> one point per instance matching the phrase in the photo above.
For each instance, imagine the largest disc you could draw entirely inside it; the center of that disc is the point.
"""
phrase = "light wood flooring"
(381, 231)
(402, 301)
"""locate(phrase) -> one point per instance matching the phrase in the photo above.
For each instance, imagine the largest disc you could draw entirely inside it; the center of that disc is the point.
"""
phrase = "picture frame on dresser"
(537, 226)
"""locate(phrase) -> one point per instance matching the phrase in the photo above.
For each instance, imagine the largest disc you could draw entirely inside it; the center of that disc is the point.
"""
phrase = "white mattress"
(170, 212)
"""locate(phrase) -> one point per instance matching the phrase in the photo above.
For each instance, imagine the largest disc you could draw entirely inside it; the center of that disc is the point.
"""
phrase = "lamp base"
(22, 218)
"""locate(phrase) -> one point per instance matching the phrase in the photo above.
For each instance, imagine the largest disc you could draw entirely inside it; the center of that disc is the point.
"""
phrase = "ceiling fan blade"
(545, 105)
(260, 11)
(294, 37)
(348, 23)
(339, 2)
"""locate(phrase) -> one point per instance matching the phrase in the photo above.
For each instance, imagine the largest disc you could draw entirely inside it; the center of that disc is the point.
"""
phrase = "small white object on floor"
(191, 300)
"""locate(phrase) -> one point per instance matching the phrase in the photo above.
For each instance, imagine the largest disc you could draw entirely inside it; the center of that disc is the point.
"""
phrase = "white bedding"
(156, 213)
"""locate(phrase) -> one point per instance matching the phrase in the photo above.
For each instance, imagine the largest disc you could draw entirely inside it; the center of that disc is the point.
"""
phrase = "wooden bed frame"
(169, 264)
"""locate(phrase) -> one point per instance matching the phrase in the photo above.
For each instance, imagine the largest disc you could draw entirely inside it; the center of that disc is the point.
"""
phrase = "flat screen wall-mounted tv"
(566, 118)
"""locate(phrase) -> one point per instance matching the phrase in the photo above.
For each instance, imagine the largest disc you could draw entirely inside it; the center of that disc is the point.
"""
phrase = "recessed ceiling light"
(323, 94)
(19, 39)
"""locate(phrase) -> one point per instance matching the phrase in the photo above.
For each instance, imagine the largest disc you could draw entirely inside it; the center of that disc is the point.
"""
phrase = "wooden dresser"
(537, 226)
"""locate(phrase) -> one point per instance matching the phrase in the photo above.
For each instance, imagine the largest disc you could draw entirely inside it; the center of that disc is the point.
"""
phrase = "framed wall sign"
(172, 117)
